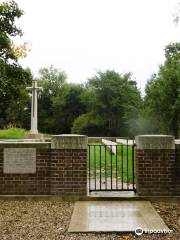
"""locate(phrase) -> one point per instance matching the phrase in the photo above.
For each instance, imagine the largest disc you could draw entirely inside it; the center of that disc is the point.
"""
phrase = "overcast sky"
(84, 36)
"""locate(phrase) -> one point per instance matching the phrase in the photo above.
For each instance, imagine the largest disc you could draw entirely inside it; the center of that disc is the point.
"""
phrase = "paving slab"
(114, 216)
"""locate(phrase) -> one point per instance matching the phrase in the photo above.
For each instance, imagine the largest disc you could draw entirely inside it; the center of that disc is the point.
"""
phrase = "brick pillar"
(69, 165)
(155, 165)
(177, 166)
(178, 161)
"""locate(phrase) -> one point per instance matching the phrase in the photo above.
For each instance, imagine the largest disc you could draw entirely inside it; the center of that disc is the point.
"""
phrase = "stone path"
(114, 216)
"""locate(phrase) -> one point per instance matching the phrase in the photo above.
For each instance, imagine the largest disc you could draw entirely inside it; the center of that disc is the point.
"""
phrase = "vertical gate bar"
(127, 165)
(116, 169)
(111, 166)
(89, 149)
(95, 166)
(100, 167)
(122, 159)
(133, 165)
(105, 169)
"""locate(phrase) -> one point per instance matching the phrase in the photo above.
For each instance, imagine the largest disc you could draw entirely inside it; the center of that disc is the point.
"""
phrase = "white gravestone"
(125, 141)
(19, 160)
(111, 145)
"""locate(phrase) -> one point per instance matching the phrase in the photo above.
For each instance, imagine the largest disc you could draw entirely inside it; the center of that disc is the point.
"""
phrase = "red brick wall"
(68, 171)
(38, 183)
(177, 167)
(58, 172)
(156, 172)
(178, 161)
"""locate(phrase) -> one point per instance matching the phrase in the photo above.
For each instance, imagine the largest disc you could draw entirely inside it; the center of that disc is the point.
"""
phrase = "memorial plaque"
(19, 160)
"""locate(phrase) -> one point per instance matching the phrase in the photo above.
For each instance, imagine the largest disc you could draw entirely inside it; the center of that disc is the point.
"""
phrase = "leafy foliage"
(9, 11)
(13, 78)
(89, 124)
(67, 107)
(112, 100)
(59, 103)
(163, 92)
(108, 104)
(52, 80)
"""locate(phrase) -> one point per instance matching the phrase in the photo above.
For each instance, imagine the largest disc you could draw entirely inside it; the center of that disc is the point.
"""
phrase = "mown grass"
(12, 133)
(118, 166)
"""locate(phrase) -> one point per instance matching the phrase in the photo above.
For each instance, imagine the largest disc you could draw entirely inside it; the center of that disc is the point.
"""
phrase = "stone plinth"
(69, 141)
(35, 136)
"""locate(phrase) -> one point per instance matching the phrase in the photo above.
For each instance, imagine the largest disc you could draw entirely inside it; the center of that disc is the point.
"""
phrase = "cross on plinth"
(34, 89)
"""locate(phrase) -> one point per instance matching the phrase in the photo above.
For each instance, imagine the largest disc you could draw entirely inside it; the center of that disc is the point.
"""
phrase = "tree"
(163, 92)
(52, 80)
(89, 124)
(13, 78)
(68, 106)
(113, 98)
(9, 12)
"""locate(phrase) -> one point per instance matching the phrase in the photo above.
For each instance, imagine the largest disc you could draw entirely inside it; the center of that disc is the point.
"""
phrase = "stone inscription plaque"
(19, 160)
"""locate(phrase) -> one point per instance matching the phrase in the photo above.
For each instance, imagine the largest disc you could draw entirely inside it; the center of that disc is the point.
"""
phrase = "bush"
(87, 124)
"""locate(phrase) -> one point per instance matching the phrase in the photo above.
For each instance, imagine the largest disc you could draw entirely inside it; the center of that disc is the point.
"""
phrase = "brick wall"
(68, 172)
(177, 169)
(58, 171)
(156, 167)
(178, 160)
(156, 172)
(38, 183)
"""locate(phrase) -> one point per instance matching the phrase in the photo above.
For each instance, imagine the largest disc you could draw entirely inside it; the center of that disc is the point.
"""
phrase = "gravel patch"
(49, 220)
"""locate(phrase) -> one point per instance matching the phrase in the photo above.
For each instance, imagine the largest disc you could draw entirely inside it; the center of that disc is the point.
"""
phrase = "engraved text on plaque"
(19, 160)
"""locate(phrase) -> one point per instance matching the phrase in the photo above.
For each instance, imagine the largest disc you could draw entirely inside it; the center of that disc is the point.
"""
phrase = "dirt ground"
(50, 220)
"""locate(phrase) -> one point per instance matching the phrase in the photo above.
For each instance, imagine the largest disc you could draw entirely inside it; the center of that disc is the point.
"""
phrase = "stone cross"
(34, 89)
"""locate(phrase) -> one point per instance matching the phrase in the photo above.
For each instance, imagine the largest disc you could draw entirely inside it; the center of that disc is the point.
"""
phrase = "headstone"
(19, 160)
(125, 141)
(111, 145)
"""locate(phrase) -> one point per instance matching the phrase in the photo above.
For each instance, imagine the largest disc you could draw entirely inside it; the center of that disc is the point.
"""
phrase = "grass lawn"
(12, 133)
(118, 166)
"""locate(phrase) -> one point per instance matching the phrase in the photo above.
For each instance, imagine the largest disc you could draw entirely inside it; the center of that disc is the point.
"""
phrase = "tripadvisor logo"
(139, 231)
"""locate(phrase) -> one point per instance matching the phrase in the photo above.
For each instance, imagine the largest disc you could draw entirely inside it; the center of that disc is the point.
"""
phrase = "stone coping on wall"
(142, 141)
(25, 140)
(155, 142)
(62, 141)
(21, 144)
(69, 141)
(177, 141)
